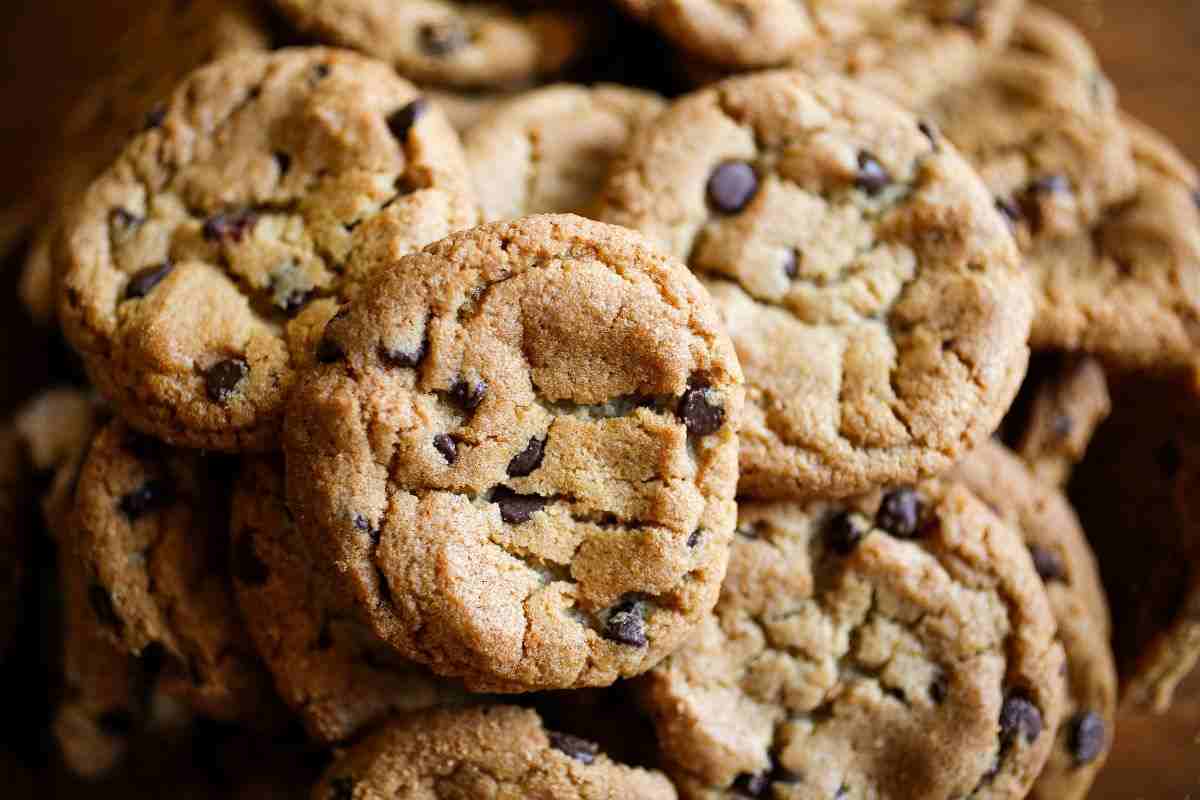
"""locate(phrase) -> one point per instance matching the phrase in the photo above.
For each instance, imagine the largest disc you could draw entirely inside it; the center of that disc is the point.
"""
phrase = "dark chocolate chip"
(155, 118)
(1196, 197)
(444, 37)
(1019, 716)
(900, 512)
(144, 281)
(517, 509)
(1062, 425)
(929, 132)
(222, 379)
(938, 689)
(694, 538)
(402, 121)
(968, 17)
(752, 785)
(322, 71)
(844, 532)
(468, 395)
(1010, 211)
(529, 459)
(791, 265)
(329, 351)
(731, 186)
(151, 496)
(361, 523)
(102, 606)
(872, 178)
(581, 750)
(231, 226)
(248, 568)
(445, 444)
(341, 788)
(1169, 459)
(627, 625)
(116, 722)
(1050, 184)
(1087, 737)
(1049, 564)
(699, 414)
(295, 301)
(283, 161)
(120, 218)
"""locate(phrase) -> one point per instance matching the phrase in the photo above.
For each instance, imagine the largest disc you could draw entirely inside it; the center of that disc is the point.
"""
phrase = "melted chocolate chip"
(445, 444)
(694, 538)
(341, 788)
(529, 459)
(844, 532)
(284, 162)
(791, 265)
(102, 606)
(329, 351)
(1010, 211)
(144, 281)
(517, 509)
(581, 750)
(248, 568)
(468, 395)
(116, 722)
(872, 178)
(1049, 564)
(627, 625)
(443, 38)
(699, 414)
(155, 118)
(929, 132)
(361, 523)
(752, 785)
(1087, 737)
(938, 689)
(900, 513)
(1050, 184)
(229, 227)
(151, 496)
(402, 121)
(1062, 425)
(321, 71)
(1019, 716)
(731, 186)
(222, 379)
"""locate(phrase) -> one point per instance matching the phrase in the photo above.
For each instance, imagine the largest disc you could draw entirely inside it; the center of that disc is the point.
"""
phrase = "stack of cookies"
(773, 406)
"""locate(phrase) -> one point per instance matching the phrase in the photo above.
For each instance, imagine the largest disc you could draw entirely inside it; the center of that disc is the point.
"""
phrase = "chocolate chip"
(151, 496)
(627, 625)
(144, 281)
(1010, 211)
(222, 378)
(341, 788)
(791, 265)
(938, 689)
(248, 568)
(445, 444)
(844, 532)
(1049, 564)
(1169, 459)
(283, 161)
(1050, 184)
(694, 538)
(120, 218)
(322, 71)
(116, 722)
(529, 459)
(968, 17)
(1087, 737)
(361, 523)
(929, 132)
(1062, 425)
(295, 301)
(699, 414)
(1020, 716)
(731, 186)
(468, 395)
(443, 38)
(1196, 197)
(900, 513)
(872, 178)
(581, 750)
(402, 121)
(329, 351)
(751, 785)
(155, 118)
(517, 509)
(231, 226)
(102, 606)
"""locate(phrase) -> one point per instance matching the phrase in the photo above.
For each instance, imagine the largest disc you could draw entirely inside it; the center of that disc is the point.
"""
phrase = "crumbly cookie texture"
(152, 530)
(522, 454)
(874, 294)
(1128, 289)
(896, 645)
(1138, 494)
(1064, 561)
(202, 264)
(549, 151)
(495, 751)
(327, 665)
(170, 40)
(461, 44)
(767, 33)
(1061, 403)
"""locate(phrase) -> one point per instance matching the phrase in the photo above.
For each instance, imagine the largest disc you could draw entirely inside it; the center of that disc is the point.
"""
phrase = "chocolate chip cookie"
(548, 151)
(1066, 565)
(448, 42)
(204, 262)
(327, 666)
(152, 530)
(496, 751)
(521, 452)
(873, 292)
(896, 645)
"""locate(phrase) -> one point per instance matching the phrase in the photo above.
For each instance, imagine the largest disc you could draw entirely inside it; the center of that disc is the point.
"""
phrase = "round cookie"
(522, 454)
(327, 666)
(448, 42)
(153, 529)
(466, 109)
(896, 645)
(874, 294)
(493, 751)
(202, 264)
(548, 151)
(1063, 559)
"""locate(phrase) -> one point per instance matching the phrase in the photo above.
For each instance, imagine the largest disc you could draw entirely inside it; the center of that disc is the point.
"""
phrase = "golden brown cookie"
(521, 453)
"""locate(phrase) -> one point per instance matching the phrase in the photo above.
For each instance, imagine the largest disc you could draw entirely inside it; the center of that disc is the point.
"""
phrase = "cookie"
(522, 454)
(1066, 565)
(466, 109)
(327, 666)
(459, 44)
(548, 151)
(896, 645)
(1128, 289)
(874, 294)
(1137, 493)
(203, 263)
(1061, 403)
(164, 42)
(153, 530)
(496, 751)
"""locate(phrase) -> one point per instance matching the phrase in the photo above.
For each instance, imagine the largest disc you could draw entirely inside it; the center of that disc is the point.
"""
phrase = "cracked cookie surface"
(522, 454)
(874, 294)
(496, 751)
(1068, 569)
(328, 666)
(897, 645)
(204, 261)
